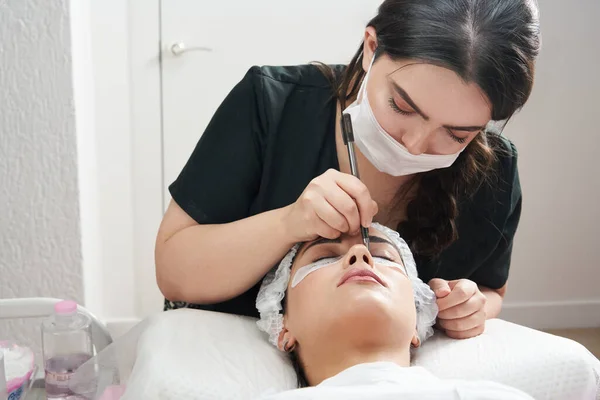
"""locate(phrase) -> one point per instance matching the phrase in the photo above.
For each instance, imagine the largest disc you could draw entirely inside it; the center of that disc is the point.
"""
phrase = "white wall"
(117, 101)
(66, 160)
(555, 278)
(39, 217)
(102, 84)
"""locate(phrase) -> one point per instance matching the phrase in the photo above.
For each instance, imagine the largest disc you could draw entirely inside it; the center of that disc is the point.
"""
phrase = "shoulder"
(496, 174)
(273, 88)
(500, 192)
(292, 96)
(266, 91)
(507, 179)
(307, 75)
(506, 153)
(272, 85)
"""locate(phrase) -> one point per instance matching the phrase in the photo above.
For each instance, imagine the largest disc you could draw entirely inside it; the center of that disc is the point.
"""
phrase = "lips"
(362, 275)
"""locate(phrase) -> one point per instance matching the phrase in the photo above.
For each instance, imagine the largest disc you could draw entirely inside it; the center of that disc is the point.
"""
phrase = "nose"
(357, 255)
(415, 141)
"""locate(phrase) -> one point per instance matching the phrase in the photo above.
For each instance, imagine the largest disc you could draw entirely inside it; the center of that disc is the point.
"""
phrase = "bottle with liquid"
(67, 344)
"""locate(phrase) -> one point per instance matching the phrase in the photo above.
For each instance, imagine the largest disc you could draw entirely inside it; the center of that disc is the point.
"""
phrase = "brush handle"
(348, 136)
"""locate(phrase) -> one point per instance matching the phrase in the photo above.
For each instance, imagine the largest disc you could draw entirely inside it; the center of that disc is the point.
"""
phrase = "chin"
(373, 311)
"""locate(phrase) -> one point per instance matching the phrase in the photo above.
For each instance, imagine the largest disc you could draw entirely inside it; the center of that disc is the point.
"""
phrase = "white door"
(225, 38)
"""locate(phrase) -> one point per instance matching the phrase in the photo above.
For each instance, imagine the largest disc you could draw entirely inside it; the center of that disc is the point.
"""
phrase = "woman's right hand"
(332, 204)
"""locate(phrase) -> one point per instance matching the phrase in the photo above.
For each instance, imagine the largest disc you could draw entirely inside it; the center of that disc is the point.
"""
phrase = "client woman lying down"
(349, 317)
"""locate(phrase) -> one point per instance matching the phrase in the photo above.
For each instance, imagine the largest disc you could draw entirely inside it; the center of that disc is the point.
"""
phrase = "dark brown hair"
(492, 43)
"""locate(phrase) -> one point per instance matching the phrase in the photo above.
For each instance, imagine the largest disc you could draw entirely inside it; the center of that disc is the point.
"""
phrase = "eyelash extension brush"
(348, 136)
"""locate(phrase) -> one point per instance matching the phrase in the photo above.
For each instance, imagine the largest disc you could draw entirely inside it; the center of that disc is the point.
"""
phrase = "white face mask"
(382, 150)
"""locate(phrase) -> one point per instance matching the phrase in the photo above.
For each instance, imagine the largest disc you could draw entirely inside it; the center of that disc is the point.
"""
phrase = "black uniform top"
(275, 132)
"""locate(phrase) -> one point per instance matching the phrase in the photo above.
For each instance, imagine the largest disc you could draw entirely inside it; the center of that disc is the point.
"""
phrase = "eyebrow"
(402, 93)
(379, 239)
(317, 242)
(373, 239)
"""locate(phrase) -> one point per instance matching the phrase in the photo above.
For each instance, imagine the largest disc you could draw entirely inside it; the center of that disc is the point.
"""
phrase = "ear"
(286, 340)
(415, 342)
(369, 47)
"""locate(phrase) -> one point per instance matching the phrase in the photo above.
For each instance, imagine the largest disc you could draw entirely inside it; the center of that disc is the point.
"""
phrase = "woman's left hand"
(461, 307)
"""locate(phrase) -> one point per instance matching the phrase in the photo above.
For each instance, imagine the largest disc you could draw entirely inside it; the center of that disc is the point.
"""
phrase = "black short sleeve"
(493, 272)
(222, 176)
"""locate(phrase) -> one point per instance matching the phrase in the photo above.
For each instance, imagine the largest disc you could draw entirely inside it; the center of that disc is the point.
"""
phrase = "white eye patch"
(303, 272)
(389, 263)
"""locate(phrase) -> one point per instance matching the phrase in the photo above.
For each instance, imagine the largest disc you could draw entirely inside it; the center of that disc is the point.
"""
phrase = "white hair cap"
(274, 287)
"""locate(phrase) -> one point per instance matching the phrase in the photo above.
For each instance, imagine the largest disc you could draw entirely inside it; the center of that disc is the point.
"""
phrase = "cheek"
(404, 297)
(305, 301)
(408, 303)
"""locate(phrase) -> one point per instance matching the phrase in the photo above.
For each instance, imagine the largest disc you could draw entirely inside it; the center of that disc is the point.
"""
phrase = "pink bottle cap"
(65, 307)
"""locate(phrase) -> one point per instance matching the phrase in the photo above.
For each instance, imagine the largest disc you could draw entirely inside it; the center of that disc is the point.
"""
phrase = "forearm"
(493, 305)
(205, 264)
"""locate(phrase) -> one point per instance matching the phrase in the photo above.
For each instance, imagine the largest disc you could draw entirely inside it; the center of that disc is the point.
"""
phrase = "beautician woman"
(424, 89)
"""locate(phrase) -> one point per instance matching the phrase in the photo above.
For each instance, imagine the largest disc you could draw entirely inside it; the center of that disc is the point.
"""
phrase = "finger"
(324, 230)
(360, 193)
(474, 304)
(375, 207)
(463, 324)
(345, 205)
(455, 282)
(328, 214)
(462, 291)
(440, 287)
(466, 334)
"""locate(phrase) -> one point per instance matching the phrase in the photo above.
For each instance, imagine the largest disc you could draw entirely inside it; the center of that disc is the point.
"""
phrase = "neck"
(333, 357)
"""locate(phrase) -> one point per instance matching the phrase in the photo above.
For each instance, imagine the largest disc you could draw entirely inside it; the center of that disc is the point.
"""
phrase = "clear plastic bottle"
(67, 344)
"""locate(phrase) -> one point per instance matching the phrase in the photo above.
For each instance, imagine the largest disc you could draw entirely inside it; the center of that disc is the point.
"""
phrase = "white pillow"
(191, 354)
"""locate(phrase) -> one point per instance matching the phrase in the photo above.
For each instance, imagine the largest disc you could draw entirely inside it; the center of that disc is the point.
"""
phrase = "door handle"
(180, 48)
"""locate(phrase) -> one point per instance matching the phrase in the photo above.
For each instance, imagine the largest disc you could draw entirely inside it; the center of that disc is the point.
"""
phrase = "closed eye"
(457, 139)
(325, 258)
(397, 109)
(385, 258)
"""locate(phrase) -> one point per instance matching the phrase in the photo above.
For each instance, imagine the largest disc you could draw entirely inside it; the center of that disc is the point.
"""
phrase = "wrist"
(493, 304)
(283, 229)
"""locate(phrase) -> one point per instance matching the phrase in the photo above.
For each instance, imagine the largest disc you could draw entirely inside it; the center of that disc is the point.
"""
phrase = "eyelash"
(323, 258)
(456, 138)
(397, 109)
